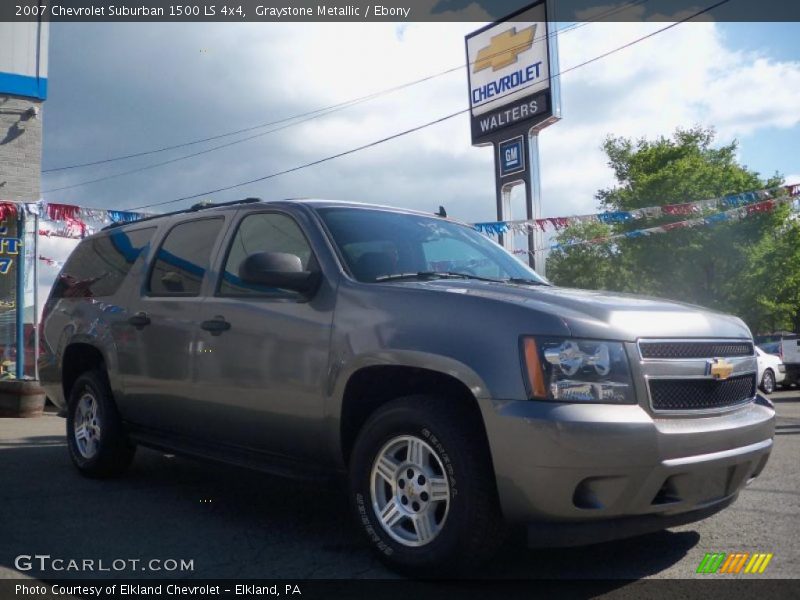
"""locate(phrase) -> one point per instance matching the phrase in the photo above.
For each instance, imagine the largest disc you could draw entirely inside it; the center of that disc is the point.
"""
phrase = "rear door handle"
(216, 325)
(139, 320)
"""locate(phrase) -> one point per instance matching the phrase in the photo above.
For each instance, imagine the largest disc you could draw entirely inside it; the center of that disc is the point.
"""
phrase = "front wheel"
(768, 381)
(423, 487)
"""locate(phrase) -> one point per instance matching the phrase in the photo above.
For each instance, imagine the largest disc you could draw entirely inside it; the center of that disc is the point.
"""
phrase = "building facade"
(23, 89)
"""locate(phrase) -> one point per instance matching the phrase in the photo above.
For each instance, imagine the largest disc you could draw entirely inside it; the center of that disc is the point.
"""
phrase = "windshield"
(379, 244)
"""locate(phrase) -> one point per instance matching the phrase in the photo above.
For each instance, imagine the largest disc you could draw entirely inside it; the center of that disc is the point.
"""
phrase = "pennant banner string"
(650, 212)
(729, 215)
(72, 221)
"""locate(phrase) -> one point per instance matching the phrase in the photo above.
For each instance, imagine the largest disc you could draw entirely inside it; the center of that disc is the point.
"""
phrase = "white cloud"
(685, 76)
(253, 73)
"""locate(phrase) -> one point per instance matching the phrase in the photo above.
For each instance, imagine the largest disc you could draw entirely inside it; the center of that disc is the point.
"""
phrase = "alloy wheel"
(410, 491)
(86, 425)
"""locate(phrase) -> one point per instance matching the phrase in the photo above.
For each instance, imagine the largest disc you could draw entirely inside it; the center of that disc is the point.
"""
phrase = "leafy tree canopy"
(749, 267)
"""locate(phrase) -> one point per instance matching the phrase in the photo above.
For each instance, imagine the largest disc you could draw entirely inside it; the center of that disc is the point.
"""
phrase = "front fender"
(391, 358)
(404, 358)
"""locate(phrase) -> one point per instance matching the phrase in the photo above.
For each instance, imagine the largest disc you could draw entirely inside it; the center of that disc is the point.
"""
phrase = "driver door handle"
(216, 325)
(139, 320)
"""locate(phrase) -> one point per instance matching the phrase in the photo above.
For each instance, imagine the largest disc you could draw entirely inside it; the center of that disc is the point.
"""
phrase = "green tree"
(594, 266)
(711, 265)
(773, 280)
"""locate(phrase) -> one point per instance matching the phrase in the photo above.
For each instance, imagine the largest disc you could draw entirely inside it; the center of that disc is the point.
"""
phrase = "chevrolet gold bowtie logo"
(504, 49)
(719, 368)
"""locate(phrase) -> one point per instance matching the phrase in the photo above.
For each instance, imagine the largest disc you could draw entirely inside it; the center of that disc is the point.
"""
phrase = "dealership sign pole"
(512, 97)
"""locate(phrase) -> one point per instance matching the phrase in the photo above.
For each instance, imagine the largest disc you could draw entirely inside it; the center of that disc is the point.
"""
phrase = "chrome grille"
(690, 349)
(698, 394)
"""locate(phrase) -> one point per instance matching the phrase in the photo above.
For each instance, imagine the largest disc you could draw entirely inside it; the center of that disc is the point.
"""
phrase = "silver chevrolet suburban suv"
(457, 390)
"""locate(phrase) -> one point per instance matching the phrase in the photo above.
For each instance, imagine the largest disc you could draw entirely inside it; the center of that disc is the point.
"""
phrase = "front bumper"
(568, 465)
(555, 534)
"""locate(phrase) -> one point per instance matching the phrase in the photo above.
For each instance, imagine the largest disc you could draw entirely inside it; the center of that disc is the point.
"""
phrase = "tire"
(455, 500)
(768, 382)
(103, 449)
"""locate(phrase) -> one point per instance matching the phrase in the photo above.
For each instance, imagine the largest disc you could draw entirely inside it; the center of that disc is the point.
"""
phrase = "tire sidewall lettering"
(364, 509)
(445, 458)
(364, 512)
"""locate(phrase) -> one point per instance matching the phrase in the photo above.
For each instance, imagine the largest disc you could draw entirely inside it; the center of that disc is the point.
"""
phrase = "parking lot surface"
(237, 524)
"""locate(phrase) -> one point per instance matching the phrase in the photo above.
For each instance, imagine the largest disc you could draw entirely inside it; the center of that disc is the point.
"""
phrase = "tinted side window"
(182, 260)
(98, 266)
(263, 232)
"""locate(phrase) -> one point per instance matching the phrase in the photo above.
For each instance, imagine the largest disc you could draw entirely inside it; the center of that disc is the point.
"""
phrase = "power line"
(310, 164)
(299, 118)
(307, 116)
(185, 156)
(340, 105)
(428, 124)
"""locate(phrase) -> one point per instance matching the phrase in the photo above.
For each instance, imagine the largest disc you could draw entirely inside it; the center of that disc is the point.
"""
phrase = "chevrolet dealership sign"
(509, 73)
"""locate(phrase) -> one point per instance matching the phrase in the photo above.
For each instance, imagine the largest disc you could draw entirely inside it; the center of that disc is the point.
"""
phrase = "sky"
(118, 88)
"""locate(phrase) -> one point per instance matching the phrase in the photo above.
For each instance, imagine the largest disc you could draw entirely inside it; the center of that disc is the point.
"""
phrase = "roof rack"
(194, 208)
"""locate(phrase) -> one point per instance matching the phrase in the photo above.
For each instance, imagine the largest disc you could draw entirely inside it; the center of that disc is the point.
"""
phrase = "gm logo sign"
(512, 156)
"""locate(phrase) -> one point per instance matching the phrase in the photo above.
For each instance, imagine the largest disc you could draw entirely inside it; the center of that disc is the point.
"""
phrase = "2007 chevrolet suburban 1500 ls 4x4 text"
(456, 388)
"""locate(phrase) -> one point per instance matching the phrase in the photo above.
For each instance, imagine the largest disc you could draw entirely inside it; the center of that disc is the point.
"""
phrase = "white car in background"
(771, 371)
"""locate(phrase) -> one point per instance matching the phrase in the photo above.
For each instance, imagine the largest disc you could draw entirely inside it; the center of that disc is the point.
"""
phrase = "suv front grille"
(718, 349)
(698, 394)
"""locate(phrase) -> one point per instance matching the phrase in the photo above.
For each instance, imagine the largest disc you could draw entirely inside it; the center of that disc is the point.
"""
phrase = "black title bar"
(390, 10)
(226, 589)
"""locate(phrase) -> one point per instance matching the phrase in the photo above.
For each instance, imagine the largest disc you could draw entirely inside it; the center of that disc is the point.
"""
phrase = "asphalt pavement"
(233, 523)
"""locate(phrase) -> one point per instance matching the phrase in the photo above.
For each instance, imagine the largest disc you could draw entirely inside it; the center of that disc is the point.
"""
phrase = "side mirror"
(278, 270)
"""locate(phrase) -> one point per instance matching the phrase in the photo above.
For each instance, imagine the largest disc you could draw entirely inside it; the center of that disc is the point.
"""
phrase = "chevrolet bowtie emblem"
(718, 368)
(504, 49)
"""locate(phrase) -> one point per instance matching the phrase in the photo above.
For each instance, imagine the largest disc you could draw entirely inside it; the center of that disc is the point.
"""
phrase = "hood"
(605, 315)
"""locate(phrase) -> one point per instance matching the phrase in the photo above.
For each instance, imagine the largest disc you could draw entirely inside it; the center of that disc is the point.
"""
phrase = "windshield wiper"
(436, 275)
(523, 281)
(469, 276)
(425, 275)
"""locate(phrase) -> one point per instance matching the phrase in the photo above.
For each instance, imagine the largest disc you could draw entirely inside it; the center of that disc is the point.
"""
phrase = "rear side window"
(183, 258)
(98, 266)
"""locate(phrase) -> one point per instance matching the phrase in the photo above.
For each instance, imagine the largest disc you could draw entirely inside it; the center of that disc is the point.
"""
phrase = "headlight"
(570, 370)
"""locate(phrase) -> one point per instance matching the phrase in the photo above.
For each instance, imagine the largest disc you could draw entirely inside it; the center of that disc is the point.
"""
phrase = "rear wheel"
(768, 381)
(97, 442)
(423, 488)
